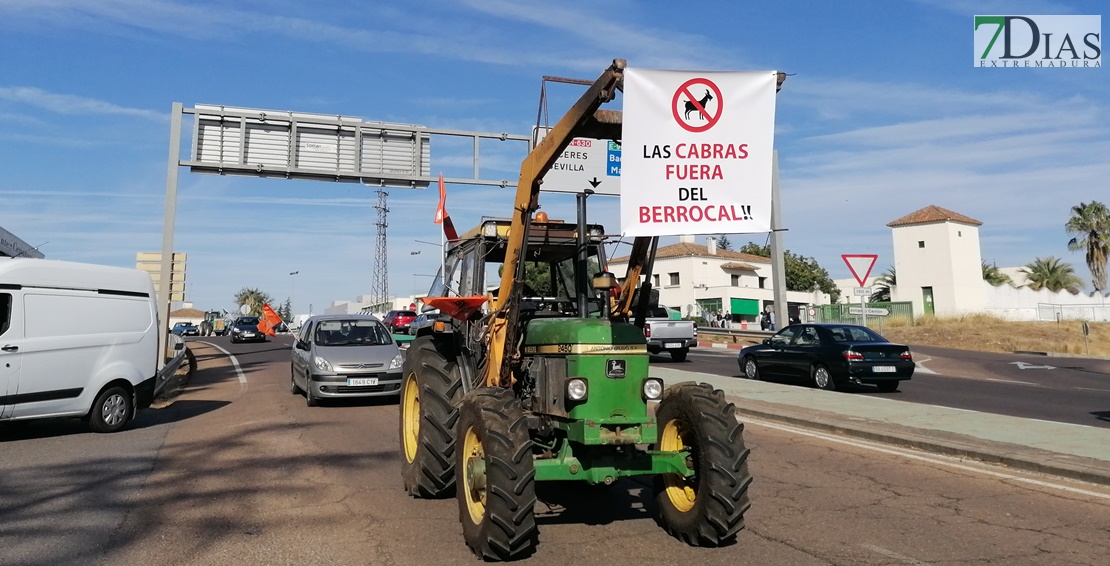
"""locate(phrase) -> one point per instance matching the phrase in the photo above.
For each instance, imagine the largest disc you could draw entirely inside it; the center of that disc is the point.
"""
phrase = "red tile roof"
(931, 214)
(695, 250)
(187, 313)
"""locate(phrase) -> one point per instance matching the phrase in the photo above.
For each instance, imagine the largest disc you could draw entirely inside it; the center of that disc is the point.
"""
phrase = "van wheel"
(112, 410)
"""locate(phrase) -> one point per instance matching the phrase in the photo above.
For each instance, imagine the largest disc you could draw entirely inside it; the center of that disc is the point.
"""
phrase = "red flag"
(441, 210)
(268, 321)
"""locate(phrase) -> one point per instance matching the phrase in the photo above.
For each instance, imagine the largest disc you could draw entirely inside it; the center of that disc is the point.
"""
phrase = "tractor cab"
(554, 277)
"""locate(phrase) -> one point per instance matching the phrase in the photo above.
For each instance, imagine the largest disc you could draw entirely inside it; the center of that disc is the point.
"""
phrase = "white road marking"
(1012, 381)
(892, 554)
(922, 369)
(1023, 365)
(932, 458)
(235, 364)
(1093, 389)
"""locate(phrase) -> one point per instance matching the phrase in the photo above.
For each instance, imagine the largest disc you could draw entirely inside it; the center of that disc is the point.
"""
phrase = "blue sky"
(884, 115)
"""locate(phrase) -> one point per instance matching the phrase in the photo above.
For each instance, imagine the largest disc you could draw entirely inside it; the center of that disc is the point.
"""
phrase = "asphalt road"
(239, 471)
(1066, 390)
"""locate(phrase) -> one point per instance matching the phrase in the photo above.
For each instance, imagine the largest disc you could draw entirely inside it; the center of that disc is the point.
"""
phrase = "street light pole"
(293, 290)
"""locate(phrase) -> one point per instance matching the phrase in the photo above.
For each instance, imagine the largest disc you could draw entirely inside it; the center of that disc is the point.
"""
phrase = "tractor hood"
(581, 336)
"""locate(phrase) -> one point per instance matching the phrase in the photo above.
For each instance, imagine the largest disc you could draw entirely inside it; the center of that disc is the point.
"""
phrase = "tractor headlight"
(653, 389)
(396, 362)
(321, 364)
(577, 389)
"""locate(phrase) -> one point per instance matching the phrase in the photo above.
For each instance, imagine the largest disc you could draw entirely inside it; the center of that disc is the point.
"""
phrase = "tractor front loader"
(548, 380)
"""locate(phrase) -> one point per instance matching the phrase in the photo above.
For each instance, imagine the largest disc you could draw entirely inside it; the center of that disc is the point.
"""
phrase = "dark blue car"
(830, 356)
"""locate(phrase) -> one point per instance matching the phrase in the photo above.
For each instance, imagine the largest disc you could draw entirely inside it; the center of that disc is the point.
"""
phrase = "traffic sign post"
(860, 265)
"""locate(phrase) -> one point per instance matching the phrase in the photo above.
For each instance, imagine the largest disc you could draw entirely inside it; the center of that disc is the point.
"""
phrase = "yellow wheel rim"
(474, 477)
(679, 489)
(410, 417)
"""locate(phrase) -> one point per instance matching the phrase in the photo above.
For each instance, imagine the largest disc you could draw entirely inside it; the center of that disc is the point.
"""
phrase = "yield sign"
(860, 265)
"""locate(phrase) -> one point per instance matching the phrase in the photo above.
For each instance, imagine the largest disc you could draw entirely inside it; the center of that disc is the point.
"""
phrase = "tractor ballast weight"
(547, 377)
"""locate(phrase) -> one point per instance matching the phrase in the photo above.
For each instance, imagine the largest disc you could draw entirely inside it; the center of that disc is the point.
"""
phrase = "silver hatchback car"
(347, 355)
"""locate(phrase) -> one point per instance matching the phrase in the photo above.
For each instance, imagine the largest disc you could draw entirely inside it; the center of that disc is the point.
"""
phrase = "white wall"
(1013, 303)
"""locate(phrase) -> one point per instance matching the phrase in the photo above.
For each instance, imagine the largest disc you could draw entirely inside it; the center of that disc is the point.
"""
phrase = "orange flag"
(441, 213)
(441, 210)
(268, 321)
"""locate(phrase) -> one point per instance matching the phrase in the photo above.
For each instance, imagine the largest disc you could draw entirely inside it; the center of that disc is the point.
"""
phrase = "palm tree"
(253, 299)
(1052, 274)
(1090, 223)
(992, 275)
(883, 286)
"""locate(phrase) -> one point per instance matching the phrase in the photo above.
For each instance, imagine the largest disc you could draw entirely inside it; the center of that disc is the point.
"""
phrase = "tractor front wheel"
(431, 385)
(496, 477)
(707, 508)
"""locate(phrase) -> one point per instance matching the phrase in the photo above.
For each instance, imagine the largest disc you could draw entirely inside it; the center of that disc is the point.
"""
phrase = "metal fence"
(1094, 313)
(841, 313)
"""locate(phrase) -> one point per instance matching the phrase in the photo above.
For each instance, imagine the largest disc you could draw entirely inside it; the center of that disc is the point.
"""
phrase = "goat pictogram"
(700, 106)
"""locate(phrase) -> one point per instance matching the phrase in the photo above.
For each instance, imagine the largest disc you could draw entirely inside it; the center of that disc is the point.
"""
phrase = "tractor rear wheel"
(706, 509)
(431, 385)
(496, 476)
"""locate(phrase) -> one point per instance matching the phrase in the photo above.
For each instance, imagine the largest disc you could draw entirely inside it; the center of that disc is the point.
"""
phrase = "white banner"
(698, 147)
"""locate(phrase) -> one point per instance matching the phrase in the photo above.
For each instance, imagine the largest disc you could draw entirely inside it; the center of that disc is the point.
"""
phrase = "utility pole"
(380, 288)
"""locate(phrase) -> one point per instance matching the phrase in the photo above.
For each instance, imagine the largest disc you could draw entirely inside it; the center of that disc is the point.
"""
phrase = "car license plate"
(672, 345)
(355, 382)
(884, 369)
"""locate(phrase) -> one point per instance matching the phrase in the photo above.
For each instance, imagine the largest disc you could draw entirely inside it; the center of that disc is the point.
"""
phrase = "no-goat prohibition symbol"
(693, 113)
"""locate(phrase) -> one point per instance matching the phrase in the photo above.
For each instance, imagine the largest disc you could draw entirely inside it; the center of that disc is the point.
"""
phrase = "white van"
(76, 340)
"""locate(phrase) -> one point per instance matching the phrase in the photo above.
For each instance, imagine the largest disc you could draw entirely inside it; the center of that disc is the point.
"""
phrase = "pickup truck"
(666, 334)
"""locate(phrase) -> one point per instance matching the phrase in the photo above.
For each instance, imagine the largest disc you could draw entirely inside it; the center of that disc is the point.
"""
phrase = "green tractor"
(551, 384)
(213, 323)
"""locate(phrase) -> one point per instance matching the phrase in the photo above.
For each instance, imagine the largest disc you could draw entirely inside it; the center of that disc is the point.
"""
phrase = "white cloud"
(72, 104)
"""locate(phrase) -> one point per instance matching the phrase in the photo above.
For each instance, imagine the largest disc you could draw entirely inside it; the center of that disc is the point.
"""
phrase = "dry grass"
(990, 334)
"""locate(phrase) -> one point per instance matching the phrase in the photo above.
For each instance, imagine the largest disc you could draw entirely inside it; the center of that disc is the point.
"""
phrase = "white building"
(697, 280)
(365, 304)
(939, 269)
(937, 262)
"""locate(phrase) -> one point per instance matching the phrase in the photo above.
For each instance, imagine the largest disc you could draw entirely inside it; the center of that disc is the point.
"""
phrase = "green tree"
(883, 286)
(723, 243)
(802, 273)
(1090, 224)
(992, 275)
(285, 311)
(253, 299)
(1052, 274)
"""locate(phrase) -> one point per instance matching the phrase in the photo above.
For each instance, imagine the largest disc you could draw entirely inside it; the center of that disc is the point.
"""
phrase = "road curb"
(949, 444)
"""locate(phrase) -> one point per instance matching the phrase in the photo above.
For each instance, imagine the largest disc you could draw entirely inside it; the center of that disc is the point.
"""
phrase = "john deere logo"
(1038, 41)
(615, 369)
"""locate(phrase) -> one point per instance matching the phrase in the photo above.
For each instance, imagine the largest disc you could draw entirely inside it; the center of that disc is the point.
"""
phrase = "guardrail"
(177, 345)
(736, 332)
